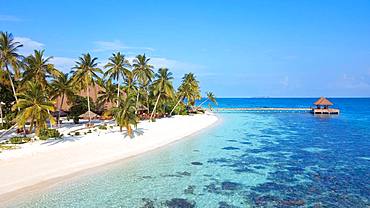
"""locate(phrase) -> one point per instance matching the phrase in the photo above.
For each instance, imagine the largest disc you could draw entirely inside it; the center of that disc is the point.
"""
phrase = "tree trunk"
(175, 106)
(118, 94)
(155, 106)
(12, 84)
(60, 107)
(137, 101)
(129, 130)
(88, 104)
(51, 125)
(203, 102)
(1, 114)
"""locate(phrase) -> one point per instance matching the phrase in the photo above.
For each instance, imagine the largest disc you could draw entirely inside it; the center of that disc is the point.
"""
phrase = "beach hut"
(323, 107)
(88, 114)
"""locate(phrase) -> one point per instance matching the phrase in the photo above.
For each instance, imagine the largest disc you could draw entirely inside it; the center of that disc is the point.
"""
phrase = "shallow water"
(248, 160)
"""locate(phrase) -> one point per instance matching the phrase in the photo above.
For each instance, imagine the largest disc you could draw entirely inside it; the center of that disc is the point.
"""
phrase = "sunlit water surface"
(248, 160)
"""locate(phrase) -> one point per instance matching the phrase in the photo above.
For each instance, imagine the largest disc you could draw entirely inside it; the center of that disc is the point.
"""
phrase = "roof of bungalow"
(87, 114)
(323, 101)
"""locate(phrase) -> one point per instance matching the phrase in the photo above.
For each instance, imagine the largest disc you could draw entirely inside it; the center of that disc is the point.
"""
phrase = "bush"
(89, 131)
(19, 140)
(102, 127)
(77, 133)
(5, 126)
(45, 134)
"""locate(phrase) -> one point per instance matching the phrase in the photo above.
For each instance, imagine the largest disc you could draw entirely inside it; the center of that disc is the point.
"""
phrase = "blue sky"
(236, 48)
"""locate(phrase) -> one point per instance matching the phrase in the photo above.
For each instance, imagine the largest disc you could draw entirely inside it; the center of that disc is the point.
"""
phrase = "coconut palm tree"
(34, 105)
(38, 68)
(129, 83)
(86, 75)
(162, 86)
(117, 67)
(188, 89)
(108, 93)
(210, 97)
(191, 88)
(62, 87)
(9, 57)
(143, 72)
(125, 115)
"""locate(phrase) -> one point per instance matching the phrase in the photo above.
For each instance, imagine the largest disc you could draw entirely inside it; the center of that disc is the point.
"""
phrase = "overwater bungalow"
(323, 107)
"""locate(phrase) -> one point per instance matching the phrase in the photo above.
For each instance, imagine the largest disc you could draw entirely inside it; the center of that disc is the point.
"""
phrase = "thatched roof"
(86, 115)
(323, 101)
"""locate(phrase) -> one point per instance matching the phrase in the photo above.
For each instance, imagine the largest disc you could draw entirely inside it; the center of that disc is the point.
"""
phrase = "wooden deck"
(325, 111)
(311, 110)
(263, 109)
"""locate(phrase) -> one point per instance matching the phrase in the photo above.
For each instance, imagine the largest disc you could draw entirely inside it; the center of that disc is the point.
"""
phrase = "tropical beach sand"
(37, 162)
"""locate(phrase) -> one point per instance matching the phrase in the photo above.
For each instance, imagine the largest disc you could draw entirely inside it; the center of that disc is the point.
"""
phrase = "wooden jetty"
(322, 107)
(264, 109)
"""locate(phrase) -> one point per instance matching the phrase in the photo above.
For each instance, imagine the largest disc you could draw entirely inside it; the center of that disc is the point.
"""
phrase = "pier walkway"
(263, 109)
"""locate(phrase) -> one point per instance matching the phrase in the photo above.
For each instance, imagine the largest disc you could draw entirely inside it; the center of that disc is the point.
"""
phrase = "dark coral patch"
(180, 203)
(231, 148)
(231, 186)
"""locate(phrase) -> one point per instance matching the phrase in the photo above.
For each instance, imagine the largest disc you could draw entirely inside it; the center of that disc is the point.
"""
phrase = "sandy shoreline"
(38, 162)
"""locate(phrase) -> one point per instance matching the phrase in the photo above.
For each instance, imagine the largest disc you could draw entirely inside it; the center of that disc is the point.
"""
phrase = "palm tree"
(180, 95)
(129, 83)
(35, 106)
(192, 91)
(188, 89)
(143, 71)
(125, 115)
(62, 87)
(162, 86)
(108, 94)
(117, 68)
(9, 57)
(38, 68)
(85, 75)
(210, 97)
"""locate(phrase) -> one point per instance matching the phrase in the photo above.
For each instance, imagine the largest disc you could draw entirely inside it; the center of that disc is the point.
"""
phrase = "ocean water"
(249, 159)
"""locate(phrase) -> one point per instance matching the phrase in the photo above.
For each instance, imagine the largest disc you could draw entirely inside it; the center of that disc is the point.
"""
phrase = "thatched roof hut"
(323, 102)
(89, 114)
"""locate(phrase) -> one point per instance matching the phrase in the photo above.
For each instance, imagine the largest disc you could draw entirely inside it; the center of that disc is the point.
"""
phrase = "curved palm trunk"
(12, 84)
(1, 114)
(175, 106)
(88, 104)
(137, 101)
(51, 125)
(155, 107)
(118, 95)
(203, 102)
(60, 107)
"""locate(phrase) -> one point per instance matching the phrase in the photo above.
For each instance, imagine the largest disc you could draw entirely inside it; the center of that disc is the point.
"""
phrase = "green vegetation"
(102, 127)
(46, 134)
(30, 87)
(19, 140)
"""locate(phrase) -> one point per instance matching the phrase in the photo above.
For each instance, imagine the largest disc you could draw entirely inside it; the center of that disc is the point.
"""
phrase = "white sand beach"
(39, 161)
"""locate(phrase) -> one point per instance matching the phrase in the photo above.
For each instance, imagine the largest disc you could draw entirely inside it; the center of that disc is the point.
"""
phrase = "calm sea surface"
(248, 160)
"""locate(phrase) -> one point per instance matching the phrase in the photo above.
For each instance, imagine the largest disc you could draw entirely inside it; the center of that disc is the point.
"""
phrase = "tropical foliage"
(35, 107)
(125, 114)
(31, 85)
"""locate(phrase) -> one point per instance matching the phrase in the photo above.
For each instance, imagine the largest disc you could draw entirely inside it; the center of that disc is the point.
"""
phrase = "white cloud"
(116, 45)
(285, 82)
(29, 45)
(9, 18)
(64, 64)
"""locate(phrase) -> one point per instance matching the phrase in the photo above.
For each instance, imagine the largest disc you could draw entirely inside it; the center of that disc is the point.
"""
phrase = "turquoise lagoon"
(247, 160)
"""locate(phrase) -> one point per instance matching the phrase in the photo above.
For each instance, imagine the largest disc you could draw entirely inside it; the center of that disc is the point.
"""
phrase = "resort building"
(94, 94)
(323, 107)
